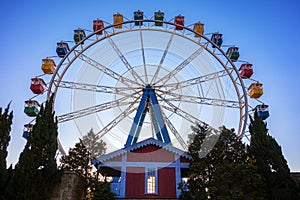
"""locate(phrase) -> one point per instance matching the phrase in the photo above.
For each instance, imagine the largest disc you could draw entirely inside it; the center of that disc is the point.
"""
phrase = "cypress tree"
(270, 162)
(36, 172)
(5, 128)
(224, 173)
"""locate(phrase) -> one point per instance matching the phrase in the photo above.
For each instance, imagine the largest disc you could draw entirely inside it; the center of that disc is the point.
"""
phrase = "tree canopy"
(234, 170)
(79, 160)
(270, 162)
(36, 172)
(6, 118)
(224, 173)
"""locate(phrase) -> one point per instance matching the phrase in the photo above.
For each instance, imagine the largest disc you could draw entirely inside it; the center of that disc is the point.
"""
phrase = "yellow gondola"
(255, 90)
(48, 65)
(199, 28)
(118, 18)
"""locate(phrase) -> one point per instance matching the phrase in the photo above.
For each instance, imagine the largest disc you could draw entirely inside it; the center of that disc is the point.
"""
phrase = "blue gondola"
(62, 49)
(217, 39)
(262, 111)
(27, 130)
(138, 15)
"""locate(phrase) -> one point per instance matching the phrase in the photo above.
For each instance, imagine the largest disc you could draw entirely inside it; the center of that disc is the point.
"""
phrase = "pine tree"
(36, 172)
(79, 160)
(103, 192)
(271, 164)
(94, 144)
(5, 128)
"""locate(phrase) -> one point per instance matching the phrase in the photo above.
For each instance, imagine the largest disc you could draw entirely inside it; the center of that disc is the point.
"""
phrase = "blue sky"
(266, 32)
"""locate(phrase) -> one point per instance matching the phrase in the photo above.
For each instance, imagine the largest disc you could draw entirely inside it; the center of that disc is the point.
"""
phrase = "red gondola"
(37, 86)
(246, 70)
(180, 21)
(98, 25)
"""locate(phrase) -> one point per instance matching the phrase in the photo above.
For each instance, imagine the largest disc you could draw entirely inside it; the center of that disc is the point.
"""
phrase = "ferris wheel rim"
(244, 104)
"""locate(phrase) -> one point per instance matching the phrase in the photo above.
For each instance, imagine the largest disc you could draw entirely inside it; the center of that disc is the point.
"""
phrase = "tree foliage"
(103, 192)
(224, 172)
(233, 170)
(5, 128)
(79, 160)
(36, 172)
(94, 144)
(270, 162)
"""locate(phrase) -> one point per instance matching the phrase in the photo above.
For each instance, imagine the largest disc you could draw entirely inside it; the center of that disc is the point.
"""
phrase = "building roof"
(144, 143)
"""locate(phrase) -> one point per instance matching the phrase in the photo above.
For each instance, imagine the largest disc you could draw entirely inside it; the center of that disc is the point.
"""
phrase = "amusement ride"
(143, 77)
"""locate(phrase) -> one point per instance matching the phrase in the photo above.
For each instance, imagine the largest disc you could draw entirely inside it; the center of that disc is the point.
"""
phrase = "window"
(151, 181)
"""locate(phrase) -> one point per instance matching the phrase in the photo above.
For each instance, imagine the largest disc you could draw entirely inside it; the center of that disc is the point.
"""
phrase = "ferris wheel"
(145, 77)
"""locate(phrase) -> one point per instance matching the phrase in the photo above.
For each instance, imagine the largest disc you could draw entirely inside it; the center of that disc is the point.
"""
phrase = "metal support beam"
(148, 103)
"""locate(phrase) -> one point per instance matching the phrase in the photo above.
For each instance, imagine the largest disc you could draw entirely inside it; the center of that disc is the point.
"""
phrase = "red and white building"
(149, 169)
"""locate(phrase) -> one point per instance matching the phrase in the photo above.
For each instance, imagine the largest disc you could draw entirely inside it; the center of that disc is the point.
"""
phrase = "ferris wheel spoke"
(203, 100)
(180, 112)
(193, 81)
(93, 109)
(182, 65)
(124, 60)
(175, 132)
(108, 71)
(97, 88)
(143, 56)
(163, 58)
(130, 109)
